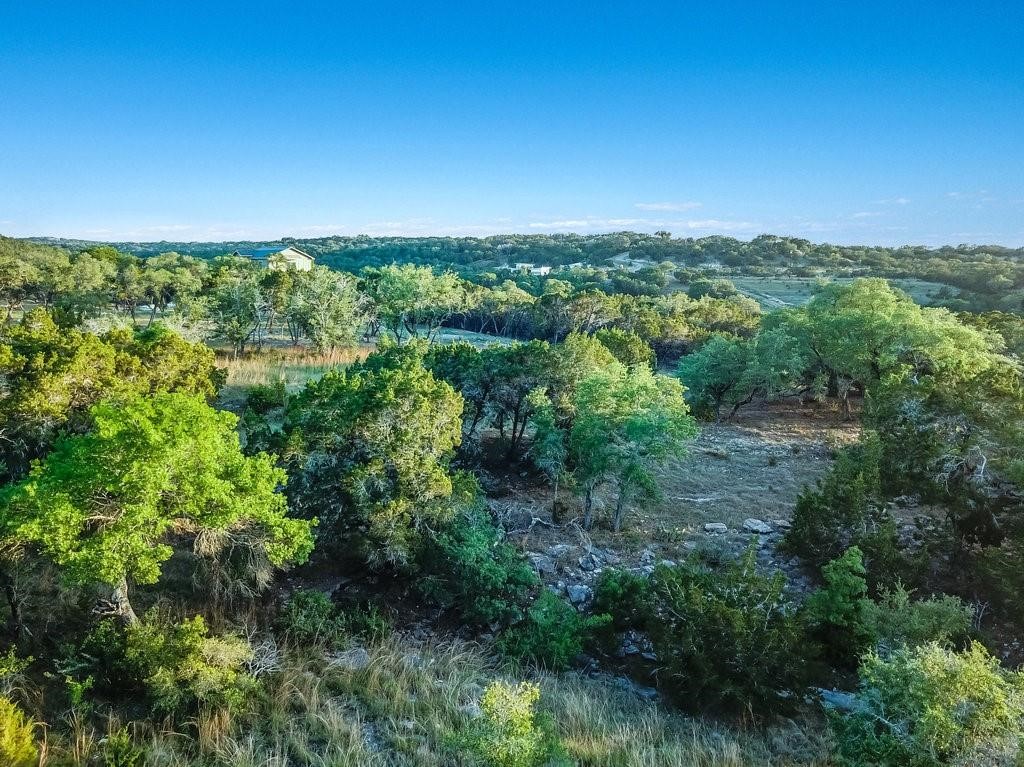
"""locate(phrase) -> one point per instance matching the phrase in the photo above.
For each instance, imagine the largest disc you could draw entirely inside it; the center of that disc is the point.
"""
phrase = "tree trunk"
(11, 595)
(588, 509)
(122, 607)
(845, 395)
(620, 510)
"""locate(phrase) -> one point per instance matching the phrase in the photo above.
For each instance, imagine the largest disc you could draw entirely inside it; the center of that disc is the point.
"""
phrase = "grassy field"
(400, 703)
(779, 292)
(295, 367)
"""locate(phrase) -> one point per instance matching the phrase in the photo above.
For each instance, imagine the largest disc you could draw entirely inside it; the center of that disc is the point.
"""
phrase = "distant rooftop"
(260, 253)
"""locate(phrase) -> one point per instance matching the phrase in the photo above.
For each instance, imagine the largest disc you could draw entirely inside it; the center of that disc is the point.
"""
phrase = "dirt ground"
(751, 467)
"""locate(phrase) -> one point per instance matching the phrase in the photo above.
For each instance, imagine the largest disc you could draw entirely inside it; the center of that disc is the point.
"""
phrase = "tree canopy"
(101, 505)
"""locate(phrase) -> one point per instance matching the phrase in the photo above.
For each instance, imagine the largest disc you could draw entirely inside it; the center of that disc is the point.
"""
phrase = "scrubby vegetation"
(405, 515)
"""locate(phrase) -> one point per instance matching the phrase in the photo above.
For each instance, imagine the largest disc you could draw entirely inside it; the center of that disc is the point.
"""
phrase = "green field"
(779, 292)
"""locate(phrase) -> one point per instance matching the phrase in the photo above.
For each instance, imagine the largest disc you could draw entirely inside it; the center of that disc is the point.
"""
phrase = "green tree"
(52, 376)
(471, 373)
(102, 505)
(237, 310)
(842, 610)
(327, 307)
(628, 347)
(413, 301)
(627, 422)
(170, 277)
(370, 449)
(729, 373)
(868, 333)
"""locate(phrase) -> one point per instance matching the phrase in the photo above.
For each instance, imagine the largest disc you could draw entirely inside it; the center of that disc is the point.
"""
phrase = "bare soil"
(751, 467)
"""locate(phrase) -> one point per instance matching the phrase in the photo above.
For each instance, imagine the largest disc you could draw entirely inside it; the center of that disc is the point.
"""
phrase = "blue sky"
(863, 122)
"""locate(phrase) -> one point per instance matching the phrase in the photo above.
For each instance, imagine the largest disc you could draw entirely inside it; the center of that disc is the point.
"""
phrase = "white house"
(279, 258)
(537, 271)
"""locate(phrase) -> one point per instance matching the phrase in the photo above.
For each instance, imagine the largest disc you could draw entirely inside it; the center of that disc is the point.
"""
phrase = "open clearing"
(780, 292)
(751, 467)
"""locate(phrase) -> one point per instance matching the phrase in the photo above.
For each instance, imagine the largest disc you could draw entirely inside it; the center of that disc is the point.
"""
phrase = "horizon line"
(425, 235)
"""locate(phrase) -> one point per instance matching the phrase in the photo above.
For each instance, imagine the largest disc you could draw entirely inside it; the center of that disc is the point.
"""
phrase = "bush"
(846, 510)
(262, 398)
(12, 669)
(311, 618)
(896, 621)
(101, 657)
(17, 737)
(842, 611)
(365, 621)
(552, 634)
(727, 637)
(624, 596)
(929, 706)
(178, 666)
(507, 734)
(472, 569)
(119, 750)
(184, 668)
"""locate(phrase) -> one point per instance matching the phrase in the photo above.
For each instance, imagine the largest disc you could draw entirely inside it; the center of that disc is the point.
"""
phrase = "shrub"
(17, 737)
(184, 668)
(552, 634)
(180, 667)
(365, 621)
(101, 657)
(119, 750)
(896, 621)
(472, 569)
(727, 637)
(262, 398)
(311, 618)
(625, 596)
(929, 706)
(508, 733)
(12, 669)
(842, 611)
(846, 510)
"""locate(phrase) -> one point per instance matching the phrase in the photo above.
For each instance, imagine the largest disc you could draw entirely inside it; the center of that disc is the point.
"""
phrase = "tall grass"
(295, 368)
(403, 705)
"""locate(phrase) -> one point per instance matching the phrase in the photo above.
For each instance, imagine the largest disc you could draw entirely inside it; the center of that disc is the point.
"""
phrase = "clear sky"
(887, 123)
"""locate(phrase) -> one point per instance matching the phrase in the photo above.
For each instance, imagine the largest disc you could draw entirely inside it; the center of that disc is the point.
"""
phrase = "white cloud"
(867, 214)
(717, 224)
(893, 201)
(594, 224)
(668, 206)
(981, 196)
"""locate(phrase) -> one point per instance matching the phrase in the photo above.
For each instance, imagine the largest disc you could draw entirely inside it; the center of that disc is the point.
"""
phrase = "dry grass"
(406, 705)
(753, 466)
(295, 367)
(606, 727)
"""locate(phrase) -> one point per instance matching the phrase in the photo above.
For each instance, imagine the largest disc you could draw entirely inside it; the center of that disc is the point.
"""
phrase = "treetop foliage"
(102, 504)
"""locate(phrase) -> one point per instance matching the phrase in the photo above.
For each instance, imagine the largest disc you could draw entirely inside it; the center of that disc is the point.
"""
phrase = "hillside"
(406, 516)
